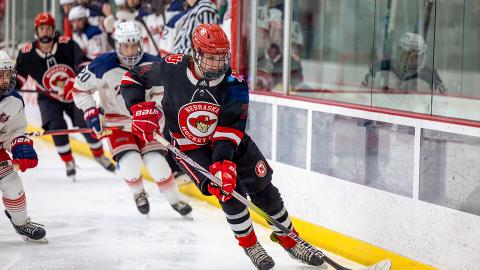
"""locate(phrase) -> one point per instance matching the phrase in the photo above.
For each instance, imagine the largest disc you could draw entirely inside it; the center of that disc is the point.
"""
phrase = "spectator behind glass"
(270, 47)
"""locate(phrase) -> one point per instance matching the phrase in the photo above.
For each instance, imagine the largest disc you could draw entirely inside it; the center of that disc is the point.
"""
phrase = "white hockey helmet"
(128, 32)
(78, 12)
(8, 75)
(64, 2)
(411, 53)
(120, 2)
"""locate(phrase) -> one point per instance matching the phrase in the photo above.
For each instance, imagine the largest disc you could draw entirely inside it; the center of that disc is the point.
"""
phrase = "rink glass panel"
(332, 54)
(457, 59)
(371, 153)
(259, 126)
(292, 136)
(450, 170)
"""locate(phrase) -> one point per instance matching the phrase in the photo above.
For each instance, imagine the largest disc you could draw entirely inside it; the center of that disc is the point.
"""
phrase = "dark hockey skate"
(301, 253)
(30, 231)
(142, 203)
(71, 169)
(183, 209)
(106, 163)
(259, 257)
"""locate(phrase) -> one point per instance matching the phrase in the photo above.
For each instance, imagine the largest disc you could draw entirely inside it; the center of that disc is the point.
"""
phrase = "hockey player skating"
(13, 123)
(89, 38)
(205, 106)
(51, 61)
(104, 75)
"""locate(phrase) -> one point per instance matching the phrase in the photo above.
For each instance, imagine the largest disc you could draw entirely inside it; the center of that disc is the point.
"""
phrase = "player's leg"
(95, 145)
(52, 119)
(126, 153)
(15, 204)
(255, 175)
(236, 213)
(159, 169)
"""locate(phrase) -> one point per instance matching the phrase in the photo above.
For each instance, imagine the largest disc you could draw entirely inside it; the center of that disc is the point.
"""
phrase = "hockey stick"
(67, 131)
(383, 265)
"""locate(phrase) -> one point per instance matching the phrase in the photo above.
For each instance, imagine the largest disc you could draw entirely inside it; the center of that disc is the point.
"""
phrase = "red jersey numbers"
(174, 58)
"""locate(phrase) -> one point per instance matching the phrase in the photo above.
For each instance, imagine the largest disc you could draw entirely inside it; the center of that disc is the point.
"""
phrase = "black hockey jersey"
(198, 113)
(52, 71)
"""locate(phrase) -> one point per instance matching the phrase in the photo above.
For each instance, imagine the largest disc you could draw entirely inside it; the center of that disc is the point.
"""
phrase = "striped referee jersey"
(204, 11)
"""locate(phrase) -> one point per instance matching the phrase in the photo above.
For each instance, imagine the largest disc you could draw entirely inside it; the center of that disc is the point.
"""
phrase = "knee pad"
(11, 186)
(268, 199)
(130, 165)
(157, 166)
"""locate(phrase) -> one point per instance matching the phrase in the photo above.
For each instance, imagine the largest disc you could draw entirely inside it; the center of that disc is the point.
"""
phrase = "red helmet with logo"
(210, 39)
(44, 18)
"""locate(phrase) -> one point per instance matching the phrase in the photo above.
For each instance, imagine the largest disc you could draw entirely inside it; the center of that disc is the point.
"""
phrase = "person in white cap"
(90, 38)
(13, 123)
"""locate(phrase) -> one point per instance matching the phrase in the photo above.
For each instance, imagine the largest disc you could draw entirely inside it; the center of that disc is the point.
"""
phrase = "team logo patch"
(56, 77)
(198, 121)
(261, 168)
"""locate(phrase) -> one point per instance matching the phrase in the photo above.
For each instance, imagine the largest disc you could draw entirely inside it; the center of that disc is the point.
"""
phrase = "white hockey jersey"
(12, 125)
(92, 41)
(103, 76)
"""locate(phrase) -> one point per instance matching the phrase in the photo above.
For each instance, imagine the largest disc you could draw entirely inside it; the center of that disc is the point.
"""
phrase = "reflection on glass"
(366, 152)
(450, 170)
(291, 136)
(337, 44)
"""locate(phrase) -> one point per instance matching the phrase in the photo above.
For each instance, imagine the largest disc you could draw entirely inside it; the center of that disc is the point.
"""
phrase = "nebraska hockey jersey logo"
(56, 77)
(198, 121)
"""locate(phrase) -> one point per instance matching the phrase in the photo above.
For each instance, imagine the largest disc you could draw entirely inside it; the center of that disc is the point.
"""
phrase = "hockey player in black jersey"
(205, 106)
(51, 61)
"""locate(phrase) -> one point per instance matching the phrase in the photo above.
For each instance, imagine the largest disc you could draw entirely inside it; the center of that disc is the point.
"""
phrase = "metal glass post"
(14, 27)
(287, 45)
(253, 45)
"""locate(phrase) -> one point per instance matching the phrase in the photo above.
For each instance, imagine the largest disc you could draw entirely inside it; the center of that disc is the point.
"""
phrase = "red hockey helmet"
(211, 50)
(44, 18)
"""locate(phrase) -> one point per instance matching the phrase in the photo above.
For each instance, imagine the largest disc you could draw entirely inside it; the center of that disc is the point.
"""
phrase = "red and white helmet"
(8, 76)
(211, 50)
(44, 18)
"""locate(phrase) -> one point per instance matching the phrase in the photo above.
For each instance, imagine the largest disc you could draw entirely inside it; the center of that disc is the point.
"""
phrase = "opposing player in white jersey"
(104, 75)
(12, 126)
(89, 38)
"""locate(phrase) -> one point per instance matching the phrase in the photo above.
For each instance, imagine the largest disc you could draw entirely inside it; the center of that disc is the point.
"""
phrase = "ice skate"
(30, 231)
(106, 163)
(183, 209)
(259, 257)
(302, 254)
(142, 203)
(71, 170)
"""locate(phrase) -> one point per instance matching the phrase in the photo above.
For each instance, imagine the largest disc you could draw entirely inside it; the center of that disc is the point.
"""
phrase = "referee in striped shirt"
(199, 11)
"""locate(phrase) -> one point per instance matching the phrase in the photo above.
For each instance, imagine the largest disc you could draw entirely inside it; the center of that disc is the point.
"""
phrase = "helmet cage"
(7, 88)
(129, 60)
(212, 68)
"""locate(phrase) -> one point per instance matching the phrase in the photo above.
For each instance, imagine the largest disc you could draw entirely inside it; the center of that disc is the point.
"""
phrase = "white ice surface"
(93, 224)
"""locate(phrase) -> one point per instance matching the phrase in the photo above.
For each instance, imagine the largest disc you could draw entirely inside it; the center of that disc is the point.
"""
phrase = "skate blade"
(40, 241)
(188, 216)
(383, 265)
(72, 178)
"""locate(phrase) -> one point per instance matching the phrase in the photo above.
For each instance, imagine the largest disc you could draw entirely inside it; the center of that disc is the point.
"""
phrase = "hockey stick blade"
(255, 208)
